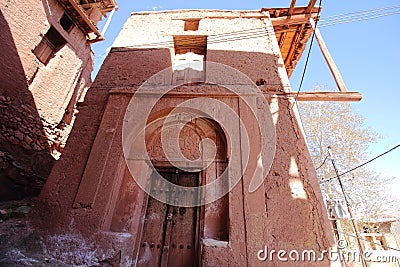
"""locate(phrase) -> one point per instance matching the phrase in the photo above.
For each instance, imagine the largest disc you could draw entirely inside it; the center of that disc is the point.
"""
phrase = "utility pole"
(360, 245)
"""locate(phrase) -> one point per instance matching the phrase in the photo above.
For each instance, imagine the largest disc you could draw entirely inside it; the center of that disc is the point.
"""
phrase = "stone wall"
(37, 100)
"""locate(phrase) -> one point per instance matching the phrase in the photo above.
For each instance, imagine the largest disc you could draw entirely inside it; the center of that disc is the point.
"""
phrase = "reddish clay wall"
(37, 101)
(90, 191)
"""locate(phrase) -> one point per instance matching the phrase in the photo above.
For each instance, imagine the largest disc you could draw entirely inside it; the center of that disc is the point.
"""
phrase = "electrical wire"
(361, 165)
(349, 20)
(360, 15)
(262, 31)
(247, 33)
(213, 39)
(322, 164)
(312, 39)
(308, 56)
(373, 10)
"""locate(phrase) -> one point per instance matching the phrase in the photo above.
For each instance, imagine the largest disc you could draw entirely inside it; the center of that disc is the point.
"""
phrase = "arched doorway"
(171, 234)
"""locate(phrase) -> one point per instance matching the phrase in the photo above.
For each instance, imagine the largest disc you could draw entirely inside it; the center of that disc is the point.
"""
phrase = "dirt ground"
(20, 245)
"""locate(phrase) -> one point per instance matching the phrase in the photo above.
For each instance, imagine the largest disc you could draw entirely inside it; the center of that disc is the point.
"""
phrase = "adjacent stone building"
(213, 64)
(45, 68)
(379, 237)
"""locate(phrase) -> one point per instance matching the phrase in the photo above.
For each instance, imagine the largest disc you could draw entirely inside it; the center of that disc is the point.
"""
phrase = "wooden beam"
(330, 96)
(90, 5)
(282, 39)
(293, 45)
(331, 64)
(291, 8)
(290, 20)
(85, 18)
(310, 6)
(324, 96)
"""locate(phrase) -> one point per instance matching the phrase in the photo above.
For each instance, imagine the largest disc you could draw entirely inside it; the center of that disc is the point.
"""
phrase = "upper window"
(66, 23)
(185, 43)
(189, 61)
(50, 44)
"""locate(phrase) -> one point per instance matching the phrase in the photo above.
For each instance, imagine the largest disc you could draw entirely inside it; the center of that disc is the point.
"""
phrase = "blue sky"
(366, 53)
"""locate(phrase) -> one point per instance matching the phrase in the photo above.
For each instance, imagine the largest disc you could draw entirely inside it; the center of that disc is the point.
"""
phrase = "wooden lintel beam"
(290, 20)
(291, 8)
(326, 96)
(328, 58)
(329, 96)
(90, 5)
(310, 6)
(85, 18)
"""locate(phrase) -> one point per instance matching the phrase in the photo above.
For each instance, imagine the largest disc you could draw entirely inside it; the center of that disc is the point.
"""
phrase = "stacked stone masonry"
(38, 99)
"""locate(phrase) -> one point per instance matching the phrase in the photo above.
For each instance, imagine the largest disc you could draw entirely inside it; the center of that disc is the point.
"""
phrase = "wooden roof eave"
(81, 19)
(108, 6)
(287, 21)
(293, 27)
(284, 11)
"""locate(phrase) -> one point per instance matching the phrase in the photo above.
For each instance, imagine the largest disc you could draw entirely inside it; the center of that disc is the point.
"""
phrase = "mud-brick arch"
(221, 226)
(213, 218)
(108, 205)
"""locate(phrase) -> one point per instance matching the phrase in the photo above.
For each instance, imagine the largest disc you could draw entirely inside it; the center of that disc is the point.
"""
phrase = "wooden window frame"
(66, 23)
(50, 44)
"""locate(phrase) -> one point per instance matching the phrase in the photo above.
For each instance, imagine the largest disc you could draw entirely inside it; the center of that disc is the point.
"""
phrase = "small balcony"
(86, 13)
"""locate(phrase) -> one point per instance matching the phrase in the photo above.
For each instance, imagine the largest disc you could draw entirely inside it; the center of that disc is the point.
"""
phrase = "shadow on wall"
(24, 159)
(90, 191)
(82, 156)
(82, 80)
(52, 210)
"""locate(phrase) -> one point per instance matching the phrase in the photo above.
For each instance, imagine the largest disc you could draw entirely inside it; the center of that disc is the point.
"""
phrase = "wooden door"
(170, 232)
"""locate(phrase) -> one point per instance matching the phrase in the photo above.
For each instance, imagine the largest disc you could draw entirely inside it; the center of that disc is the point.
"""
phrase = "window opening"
(50, 44)
(66, 23)
(189, 61)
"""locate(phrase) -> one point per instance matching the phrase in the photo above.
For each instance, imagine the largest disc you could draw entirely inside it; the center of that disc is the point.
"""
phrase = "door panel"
(169, 232)
(183, 231)
(151, 245)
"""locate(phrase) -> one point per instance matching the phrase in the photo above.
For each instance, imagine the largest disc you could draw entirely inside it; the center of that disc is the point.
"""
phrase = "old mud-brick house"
(188, 149)
(45, 68)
